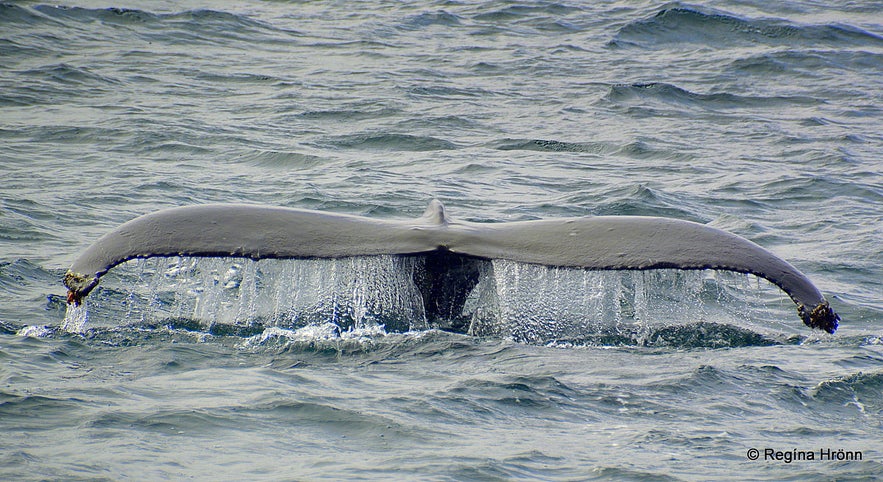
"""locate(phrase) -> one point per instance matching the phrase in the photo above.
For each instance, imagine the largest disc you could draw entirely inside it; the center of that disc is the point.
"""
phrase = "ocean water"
(759, 118)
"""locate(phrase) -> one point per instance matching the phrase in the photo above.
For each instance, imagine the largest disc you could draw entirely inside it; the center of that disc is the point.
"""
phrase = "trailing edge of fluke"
(595, 243)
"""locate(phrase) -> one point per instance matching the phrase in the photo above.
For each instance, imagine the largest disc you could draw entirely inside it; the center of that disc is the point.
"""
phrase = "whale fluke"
(453, 248)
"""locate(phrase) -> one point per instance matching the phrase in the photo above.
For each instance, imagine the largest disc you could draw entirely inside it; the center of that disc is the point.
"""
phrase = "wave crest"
(692, 26)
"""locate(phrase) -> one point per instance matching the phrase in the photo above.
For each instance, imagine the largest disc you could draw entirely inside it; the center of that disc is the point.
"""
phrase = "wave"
(23, 284)
(16, 15)
(692, 25)
(548, 145)
(69, 74)
(325, 338)
(510, 396)
(809, 63)
(641, 200)
(190, 25)
(32, 410)
(862, 392)
(48, 84)
(446, 92)
(281, 159)
(642, 93)
(429, 19)
(117, 15)
(25, 222)
(712, 335)
(542, 17)
(168, 421)
(337, 420)
(390, 142)
(517, 12)
(634, 150)
(105, 15)
(347, 115)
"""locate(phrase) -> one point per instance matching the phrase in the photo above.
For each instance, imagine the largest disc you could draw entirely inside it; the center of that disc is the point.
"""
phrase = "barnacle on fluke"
(79, 285)
(821, 317)
(451, 251)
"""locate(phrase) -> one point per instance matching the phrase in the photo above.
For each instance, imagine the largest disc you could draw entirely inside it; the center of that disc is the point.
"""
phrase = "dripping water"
(522, 302)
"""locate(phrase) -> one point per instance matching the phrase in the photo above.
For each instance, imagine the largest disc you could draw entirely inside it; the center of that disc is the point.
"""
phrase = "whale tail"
(453, 251)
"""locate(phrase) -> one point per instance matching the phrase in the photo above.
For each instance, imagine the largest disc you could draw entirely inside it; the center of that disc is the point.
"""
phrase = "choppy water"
(761, 118)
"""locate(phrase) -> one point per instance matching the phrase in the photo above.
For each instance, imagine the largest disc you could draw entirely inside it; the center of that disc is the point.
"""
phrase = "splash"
(539, 304)
(377, 294)
(222, 295)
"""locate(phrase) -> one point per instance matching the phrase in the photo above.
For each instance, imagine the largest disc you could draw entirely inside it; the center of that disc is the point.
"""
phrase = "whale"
(452, 251)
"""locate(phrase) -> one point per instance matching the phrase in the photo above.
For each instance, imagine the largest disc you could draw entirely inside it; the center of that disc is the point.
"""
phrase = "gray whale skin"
(453, 250)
